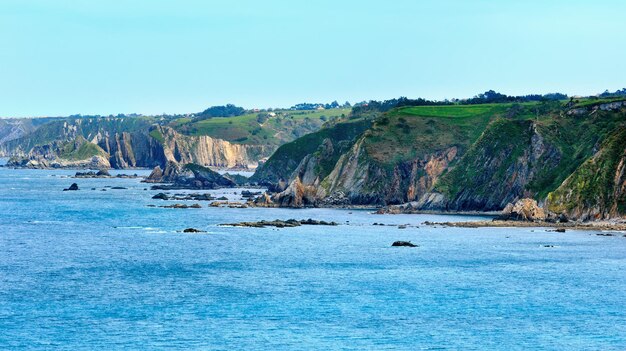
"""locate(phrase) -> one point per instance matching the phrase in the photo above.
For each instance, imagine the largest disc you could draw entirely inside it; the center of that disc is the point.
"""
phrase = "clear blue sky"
(60, 57)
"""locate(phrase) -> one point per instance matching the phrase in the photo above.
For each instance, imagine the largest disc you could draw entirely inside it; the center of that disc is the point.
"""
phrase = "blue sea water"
(93, 269)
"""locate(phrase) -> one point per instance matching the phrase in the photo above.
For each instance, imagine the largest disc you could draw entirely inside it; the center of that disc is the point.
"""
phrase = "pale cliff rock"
(363, 181)
(523, 210)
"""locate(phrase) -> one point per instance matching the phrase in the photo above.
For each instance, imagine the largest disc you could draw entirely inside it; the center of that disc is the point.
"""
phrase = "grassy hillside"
(259, 128)
(406, 133)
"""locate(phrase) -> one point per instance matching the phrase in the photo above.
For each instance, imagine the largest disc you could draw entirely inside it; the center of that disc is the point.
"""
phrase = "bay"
(94, 269)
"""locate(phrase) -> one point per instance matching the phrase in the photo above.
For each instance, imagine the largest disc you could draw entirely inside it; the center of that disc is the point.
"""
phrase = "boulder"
(103, 173)
(161, 196)
(523, 210)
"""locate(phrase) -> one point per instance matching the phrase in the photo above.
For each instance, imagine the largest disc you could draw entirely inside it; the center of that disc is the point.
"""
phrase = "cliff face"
(361, 181)
(78, 153)
(12, 129)
(280, 167)
(304, 183)
(204, 150)
(597, 189)
(162, 144)
(130, 150)
(132, 144)
(496, 170)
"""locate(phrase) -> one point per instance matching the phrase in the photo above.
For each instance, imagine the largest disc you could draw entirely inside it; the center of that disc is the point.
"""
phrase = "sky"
(62, 57)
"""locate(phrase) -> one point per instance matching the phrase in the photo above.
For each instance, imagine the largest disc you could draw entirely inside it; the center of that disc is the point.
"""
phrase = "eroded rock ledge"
(280, 223)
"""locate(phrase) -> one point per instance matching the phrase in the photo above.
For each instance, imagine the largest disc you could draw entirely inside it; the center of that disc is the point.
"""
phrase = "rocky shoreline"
(280, 223)
(599, 225)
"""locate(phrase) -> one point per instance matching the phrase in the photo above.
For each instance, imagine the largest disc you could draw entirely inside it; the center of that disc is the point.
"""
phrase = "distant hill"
(146, 141)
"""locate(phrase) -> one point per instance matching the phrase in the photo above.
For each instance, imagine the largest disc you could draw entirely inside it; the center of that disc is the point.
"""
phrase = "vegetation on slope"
(80, 149)
(265, 128)
(407, 133)
(489, 164)
(596, 188)
(287, 157)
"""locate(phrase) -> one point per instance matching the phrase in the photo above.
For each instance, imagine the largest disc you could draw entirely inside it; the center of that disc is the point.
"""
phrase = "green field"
(586, 102)
(451, 110)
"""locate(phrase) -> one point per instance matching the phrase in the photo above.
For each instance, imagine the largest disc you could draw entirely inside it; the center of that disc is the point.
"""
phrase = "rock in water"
(103, 173)
(156, 176)
(403, 243)
(192, 230)
(72, 187)
(523, 210)
(161, 196)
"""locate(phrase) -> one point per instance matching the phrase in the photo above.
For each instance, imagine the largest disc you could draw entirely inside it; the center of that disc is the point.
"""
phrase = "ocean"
(94, 269)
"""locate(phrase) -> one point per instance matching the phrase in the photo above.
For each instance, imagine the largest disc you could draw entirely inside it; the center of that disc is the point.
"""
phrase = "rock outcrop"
(72, 187)
(403, 243)
(156, 176)
(128, 143)
(78, 153)
(290, 223)
(523, 210)
(189, 176)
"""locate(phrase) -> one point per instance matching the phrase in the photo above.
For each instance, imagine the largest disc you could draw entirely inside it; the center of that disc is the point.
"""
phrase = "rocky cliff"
(204, 150)
(597, 189)
(129, 143)
(472, 158)
(498, 169)
(78, 153)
